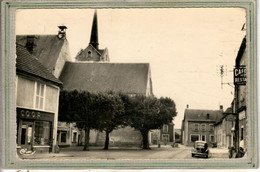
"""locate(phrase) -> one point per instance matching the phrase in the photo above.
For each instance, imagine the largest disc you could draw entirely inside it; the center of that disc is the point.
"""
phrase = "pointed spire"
(94, 32)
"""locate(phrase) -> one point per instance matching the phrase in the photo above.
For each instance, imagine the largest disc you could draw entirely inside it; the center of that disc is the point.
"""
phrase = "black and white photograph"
(146, 85)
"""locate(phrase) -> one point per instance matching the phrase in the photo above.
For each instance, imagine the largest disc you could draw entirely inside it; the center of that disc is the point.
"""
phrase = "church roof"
(47, 48)
(202, 115)
(27, 63)
(129, 78)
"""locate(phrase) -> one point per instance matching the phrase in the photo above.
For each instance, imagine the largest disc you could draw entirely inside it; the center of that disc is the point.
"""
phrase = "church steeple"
(92, 52)
(94, 32)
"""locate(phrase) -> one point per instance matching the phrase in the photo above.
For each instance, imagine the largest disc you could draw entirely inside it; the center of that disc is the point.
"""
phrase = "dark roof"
(227, 112)
(101, 51)
(241, 52)
(27, 63)
(47, 48)
(202, 115)
(129, 78)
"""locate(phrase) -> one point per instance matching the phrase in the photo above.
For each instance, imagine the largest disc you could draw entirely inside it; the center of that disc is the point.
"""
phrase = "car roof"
(199, 141)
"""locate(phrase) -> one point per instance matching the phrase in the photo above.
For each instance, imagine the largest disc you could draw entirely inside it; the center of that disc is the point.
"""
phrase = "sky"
(184, 46)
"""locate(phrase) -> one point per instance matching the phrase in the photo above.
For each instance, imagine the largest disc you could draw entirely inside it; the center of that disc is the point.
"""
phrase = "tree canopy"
(108, 111)
(148, 113)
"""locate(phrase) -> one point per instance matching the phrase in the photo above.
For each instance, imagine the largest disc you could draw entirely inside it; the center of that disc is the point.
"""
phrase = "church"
(92, 52)
(91, 71)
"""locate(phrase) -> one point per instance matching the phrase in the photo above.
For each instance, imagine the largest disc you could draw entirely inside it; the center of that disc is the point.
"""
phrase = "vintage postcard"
(128, 84)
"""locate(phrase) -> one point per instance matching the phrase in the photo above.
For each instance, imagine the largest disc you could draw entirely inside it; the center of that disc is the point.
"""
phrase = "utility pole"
(223, 72)
(237, 120)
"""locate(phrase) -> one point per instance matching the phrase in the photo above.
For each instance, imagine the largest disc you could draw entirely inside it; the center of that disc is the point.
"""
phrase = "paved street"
(115, 153)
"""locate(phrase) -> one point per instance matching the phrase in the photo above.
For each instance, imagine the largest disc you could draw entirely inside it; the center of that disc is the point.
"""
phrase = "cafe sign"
(240, 75)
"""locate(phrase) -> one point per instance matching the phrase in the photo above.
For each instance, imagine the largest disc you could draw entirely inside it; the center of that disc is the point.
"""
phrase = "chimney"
(62, 32)
(30, 44)
(187, 106)
(221, 107)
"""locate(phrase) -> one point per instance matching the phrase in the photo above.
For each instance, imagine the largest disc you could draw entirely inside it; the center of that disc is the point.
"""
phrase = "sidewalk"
(219, 152)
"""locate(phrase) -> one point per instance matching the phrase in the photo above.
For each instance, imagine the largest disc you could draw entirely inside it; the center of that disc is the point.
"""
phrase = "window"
(196, 127)
(42, 133)
(210, 127)
(203, 127)
(74, 137)
(207, 116)
(203, 137)
(89, 53)
(165, 128)
(63, 137)
(39, 97)
(194, 137)
(165, 138)
(242, 133)
(212, 139)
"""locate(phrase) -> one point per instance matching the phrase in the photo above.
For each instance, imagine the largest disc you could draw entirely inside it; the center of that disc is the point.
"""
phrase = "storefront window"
(42, 133)
(194, 138)
(63, 137)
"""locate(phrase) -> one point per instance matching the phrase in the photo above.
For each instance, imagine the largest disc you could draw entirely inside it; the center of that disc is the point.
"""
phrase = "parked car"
(200, 149)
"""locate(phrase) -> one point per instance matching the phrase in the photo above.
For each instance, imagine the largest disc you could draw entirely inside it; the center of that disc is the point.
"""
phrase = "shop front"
(34, 130)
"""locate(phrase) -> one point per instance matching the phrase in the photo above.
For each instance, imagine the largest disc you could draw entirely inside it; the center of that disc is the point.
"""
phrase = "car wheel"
(192, 155)
(207, 156)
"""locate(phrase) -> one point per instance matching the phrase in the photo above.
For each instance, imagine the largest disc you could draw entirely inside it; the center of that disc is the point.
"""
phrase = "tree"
(111, 114)
(150, 113)
(80, 107)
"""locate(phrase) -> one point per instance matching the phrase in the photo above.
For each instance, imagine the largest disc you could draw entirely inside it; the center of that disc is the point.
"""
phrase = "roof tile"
(28, 63)
(129, 78)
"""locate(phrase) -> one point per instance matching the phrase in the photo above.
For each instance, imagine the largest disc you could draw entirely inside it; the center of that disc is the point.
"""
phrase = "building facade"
(240, 93)
(199, 125)
(68, 134)
(224, 129)
(52, 51)
(37, 99)
(163, 136)
(167, 134)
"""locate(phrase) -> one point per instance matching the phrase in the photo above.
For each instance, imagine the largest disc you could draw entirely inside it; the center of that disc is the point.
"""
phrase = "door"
(165, 138)
(27, 135)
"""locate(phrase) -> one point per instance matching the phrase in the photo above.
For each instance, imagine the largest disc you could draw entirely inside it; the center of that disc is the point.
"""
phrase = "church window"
(89, 53)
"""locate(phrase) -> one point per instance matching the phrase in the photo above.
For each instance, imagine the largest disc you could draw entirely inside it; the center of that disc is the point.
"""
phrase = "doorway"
(27, 135)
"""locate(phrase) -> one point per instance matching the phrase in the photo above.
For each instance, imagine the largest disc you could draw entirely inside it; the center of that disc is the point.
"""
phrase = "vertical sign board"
(240, 75)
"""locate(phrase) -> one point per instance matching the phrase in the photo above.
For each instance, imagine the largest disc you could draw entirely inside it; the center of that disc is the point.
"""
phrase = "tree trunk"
(86, 146)
(145, 140)
(106, 141)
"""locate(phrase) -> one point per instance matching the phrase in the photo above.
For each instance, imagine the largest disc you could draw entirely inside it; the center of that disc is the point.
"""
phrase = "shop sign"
(30, 114)
(242, 115)
(34, 114)
(240, 75)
